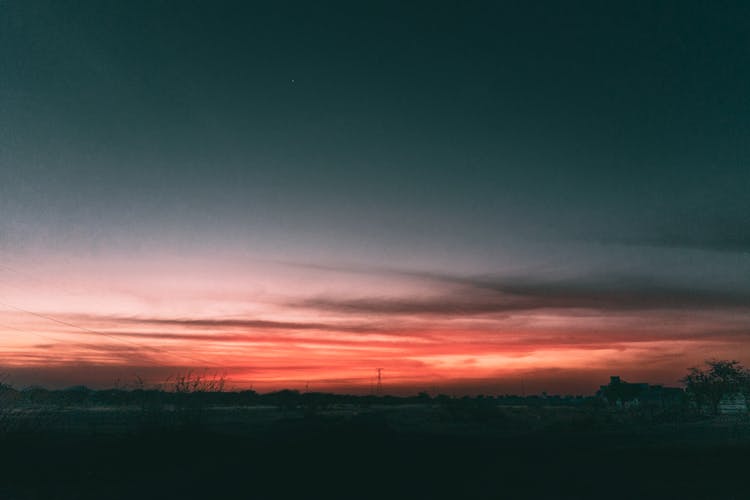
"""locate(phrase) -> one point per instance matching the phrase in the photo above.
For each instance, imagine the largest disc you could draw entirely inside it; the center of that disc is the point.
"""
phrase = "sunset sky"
(495, 197)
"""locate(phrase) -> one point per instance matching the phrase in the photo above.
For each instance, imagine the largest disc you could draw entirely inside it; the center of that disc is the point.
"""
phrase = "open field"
(378, 451)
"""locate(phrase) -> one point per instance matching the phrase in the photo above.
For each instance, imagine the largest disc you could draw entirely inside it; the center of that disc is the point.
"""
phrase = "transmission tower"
(379, 387)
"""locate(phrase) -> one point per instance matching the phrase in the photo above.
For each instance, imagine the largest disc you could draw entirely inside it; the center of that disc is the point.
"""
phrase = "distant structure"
(627, 394)
(733, 404)
(379, 387)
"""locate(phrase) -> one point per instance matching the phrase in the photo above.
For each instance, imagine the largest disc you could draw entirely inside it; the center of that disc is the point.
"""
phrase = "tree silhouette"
(707, 386)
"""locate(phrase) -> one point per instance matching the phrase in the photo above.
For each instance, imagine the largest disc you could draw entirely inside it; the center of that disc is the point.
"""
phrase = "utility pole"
(379, 390)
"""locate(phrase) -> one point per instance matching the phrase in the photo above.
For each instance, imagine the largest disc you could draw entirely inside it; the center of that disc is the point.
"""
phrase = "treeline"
(705, 388)
(283, 399)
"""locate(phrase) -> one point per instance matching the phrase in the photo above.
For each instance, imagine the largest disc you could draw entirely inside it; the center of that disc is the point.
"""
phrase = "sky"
(475, 197)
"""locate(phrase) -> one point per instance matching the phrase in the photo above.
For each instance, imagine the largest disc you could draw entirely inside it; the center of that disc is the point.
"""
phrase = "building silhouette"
(629, 394)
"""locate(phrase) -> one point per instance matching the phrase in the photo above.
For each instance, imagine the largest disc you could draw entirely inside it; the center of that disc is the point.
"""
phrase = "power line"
(45, 337)
(110, 336)
(88, 330)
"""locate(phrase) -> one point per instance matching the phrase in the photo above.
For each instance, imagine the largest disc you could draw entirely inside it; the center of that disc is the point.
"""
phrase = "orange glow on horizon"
(256, 331)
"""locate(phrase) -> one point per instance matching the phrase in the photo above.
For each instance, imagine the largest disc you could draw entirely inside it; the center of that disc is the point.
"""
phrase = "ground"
(401, 451)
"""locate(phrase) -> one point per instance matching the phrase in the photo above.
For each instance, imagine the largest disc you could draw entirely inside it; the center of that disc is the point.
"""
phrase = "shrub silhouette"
(6, 397)
(193, 392)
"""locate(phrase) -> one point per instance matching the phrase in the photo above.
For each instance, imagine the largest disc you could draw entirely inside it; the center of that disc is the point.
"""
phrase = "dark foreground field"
(404, 452)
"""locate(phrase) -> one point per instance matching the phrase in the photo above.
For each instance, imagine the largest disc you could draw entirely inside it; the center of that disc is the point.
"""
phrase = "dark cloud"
(467, 296)
(79, 352)
(733, 237)
(225, 323)
(239, 324)
(229, 338)
(615, 293)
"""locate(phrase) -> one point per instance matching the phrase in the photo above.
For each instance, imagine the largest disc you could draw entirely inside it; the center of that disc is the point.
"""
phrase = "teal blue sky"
(566, 146)
(395, 124)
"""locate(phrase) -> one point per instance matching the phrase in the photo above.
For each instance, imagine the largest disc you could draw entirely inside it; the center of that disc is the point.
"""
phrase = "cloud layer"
(424, 328)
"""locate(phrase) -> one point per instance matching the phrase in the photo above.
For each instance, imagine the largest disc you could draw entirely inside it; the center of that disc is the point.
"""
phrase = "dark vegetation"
(189, 438)
(708, 386)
